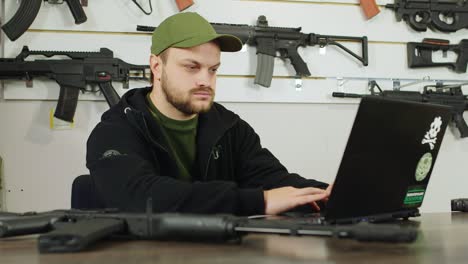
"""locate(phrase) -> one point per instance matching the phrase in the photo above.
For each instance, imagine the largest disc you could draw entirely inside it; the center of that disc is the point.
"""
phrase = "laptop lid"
(388, 159)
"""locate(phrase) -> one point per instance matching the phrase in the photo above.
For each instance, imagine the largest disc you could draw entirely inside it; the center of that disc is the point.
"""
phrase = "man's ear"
(155, 66)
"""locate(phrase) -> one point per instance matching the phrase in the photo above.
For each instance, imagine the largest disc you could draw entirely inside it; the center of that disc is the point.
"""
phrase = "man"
(171, 143)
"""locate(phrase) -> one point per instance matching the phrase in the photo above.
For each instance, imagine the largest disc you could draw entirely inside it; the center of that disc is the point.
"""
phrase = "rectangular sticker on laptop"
(414, 196)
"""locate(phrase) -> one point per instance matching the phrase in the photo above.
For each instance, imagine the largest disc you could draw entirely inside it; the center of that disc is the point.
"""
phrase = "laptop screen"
(388, 159)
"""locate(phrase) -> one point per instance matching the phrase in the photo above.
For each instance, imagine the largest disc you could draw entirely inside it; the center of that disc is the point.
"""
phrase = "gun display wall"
(112, 25)
(330, 68)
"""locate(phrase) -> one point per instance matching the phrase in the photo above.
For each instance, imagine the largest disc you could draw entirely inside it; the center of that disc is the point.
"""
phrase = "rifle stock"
(369, 7)
(420, 54)
(183, 4)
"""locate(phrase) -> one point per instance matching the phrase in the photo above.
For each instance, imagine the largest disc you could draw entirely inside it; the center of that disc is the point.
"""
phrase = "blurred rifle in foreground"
(75, 230)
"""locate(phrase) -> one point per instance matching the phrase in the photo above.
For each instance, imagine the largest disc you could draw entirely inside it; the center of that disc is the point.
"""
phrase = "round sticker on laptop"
(423, 167)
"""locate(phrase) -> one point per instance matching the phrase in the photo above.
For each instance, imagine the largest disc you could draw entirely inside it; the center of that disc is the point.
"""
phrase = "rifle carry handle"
(22, 19)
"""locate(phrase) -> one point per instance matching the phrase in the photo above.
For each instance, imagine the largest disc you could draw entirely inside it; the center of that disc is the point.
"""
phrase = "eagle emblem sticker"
(423, 167)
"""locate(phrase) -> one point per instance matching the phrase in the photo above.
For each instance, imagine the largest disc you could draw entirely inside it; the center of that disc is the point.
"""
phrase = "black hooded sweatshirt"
(130, 162)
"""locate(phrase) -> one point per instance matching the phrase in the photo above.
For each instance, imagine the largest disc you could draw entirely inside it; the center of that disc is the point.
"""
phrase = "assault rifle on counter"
(286, 41)
(28, 11)
(75, 230)
(74, 74)
(450, 95)
(447, 16)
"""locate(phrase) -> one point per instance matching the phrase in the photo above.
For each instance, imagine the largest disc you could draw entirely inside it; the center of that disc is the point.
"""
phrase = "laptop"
(387, 163)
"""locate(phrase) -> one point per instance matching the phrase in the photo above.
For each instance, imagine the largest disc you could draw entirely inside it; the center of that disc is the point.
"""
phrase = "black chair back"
(84, 195)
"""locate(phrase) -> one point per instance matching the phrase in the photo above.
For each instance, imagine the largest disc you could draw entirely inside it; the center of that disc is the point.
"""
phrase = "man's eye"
(214, 70)
(191, 67)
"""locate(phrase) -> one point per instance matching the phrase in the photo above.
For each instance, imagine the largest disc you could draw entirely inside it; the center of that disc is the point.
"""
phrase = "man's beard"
(184, 103)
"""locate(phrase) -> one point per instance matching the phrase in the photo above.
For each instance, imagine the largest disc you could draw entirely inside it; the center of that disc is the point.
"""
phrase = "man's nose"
(204, 78)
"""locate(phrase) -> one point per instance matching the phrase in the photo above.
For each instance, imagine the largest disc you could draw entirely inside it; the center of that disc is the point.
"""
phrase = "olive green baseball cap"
(189, 29)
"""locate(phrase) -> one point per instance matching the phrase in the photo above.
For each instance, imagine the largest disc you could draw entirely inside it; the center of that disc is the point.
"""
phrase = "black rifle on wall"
(74, 74)
(286, 41)
(449, 95)
(446, 16)
(420, 54)
(75, 230)
(28, 10)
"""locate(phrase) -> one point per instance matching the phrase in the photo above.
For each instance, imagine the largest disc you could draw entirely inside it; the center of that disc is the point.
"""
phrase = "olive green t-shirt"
(181, 136)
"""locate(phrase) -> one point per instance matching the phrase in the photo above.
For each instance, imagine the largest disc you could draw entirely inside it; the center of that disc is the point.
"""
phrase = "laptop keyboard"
(311, 221)
(305, 219)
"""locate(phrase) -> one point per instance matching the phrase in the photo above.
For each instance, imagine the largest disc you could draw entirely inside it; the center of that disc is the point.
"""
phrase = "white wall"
(40, 163)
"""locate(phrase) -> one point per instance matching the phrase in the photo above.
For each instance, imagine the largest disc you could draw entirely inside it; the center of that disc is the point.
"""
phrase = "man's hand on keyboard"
(283, 199)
